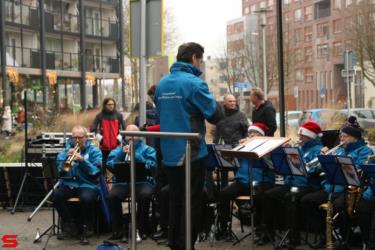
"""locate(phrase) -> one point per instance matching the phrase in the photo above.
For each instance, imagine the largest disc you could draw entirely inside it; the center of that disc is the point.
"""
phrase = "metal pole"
(4, 84)
(133, 198)
(121, 49)
(279, 13)
(82, 51)
(142, 65)
(43, 63)
(265, 83)
(43, 201)
(348, 90)
(187, 196)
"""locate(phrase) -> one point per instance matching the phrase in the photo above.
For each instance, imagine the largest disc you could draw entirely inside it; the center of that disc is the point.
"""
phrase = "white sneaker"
(138, 239)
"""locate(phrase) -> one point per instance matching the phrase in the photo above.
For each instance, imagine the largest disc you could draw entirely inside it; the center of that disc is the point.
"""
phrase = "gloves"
(98, 137)
(367, 194)
(144, 127)
(119, 138)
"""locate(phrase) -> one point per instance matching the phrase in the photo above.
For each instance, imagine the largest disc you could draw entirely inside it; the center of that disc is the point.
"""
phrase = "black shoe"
(115, 236)
(161, 234)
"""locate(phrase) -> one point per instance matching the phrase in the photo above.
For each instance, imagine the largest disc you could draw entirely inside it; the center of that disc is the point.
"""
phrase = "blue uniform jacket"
(183, 102)
(143, 154)
(85, 173)
(261, 173)
(309, 150)
(359, 152)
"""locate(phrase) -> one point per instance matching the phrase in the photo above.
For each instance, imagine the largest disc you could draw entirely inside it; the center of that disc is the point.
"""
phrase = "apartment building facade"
(62, 50)
(314, 43)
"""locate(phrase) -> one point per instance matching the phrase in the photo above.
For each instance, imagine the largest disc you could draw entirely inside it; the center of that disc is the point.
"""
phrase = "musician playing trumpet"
(352, 145)
(80, 180)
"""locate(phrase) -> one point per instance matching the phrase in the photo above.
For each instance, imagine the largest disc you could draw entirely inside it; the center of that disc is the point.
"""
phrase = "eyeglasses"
(110, 104)
(78, 137)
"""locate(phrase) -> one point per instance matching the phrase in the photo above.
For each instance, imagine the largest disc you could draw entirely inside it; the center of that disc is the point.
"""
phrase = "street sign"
(241, 85)
(347, 73)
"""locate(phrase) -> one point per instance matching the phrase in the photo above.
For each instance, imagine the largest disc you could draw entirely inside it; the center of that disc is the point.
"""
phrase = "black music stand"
(288, 161)
(121, 171)
(339, 170)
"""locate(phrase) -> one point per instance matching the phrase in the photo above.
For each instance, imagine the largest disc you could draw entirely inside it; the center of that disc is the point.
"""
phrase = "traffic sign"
(241, 85)
(347, 73)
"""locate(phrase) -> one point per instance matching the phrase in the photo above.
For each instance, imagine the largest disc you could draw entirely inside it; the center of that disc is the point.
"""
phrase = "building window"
(299, 75)
(270, 3)
(337, 4)
(337, 26)
(286, 17)
(287, 2)
(309, 75)
(298, 35)
(246, 11)
(308, 34)
(322, 30)
(299, 55)
(298, 15)
(348, 3)
(308, 13)
(262, 5)
(322, 9)
(253, 8)
(308, 54)
(322, 51)
(337, 49)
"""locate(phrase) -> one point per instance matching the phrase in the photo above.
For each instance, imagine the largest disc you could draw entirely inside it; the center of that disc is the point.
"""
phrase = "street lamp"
(263, 12)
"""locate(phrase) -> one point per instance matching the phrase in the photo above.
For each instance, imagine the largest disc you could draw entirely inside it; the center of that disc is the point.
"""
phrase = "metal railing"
(99, 27)
(17, 13)
(65, 23)
(188, 137)
(63, 61)
(20, 57)
(109, 64)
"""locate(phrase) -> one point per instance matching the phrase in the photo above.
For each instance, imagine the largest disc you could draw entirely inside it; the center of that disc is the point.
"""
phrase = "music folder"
(121, 171)
(255, 147)
(288, 161)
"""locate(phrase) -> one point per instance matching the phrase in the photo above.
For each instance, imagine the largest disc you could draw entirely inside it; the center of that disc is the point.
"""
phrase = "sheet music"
(296, 163)
(256, 142)
(349, 170)
(265, 147)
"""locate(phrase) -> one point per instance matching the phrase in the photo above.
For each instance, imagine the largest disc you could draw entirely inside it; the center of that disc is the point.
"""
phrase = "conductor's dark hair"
(187, 50)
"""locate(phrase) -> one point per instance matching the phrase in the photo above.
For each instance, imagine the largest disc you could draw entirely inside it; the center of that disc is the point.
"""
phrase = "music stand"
(288, 161)
(121, 171)
(339, 170)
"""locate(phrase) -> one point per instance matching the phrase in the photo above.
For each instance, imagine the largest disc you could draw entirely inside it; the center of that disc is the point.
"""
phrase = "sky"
(204, 21)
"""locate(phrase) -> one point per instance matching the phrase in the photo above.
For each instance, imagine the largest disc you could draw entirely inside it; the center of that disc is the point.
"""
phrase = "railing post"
(133, 198)
(187, 196)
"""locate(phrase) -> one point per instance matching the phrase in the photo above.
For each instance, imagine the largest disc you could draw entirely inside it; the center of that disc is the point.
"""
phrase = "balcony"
(62, 61)
(21, 14)
(22, 57)
(105, 28)
(112, 2)
(66, 23)
(105, 64)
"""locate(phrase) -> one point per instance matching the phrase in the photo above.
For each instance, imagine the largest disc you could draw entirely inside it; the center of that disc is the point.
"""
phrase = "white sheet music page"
(269, 145)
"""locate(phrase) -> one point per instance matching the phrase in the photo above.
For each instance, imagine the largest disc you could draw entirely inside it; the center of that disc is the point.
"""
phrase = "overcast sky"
(204, 21)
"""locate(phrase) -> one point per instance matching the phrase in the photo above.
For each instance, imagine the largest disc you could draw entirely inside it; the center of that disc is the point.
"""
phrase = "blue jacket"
(183, 102)
(309, 150)
(359, 152)
(143, 154)
(260, 173)
(85, 173)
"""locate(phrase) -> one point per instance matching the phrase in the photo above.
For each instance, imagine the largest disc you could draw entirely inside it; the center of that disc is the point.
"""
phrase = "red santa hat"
(258, 127)
(310, 129)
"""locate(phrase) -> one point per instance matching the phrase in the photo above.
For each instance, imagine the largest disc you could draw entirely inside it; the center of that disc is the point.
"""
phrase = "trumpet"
(315, 161)
(68, 163)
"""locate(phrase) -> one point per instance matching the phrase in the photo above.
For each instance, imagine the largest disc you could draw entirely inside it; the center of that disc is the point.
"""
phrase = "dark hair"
(187, 50)
(151, 91)
(105, 101)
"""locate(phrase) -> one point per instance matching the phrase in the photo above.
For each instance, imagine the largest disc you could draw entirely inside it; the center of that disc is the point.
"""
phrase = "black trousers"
(163, 199)
(282, 208)
(176, 179)
(119, 192)
(87, 197)
(366, 219)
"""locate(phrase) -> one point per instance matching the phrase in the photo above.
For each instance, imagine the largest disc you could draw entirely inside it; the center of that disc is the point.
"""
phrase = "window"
(337, 4)
(299, 75)
(299, 55)
(322, 51)
(337, 26)
(308, 15)
(348, 3)
(323, 30)
(253, 8)
(298, 15)
(286, 17)
(270, 3)
(298, 35)
(309, 75)
(246, 11)
(287, 2)
(308, 34)
(262, 5)
(308, 54)
(337, 49)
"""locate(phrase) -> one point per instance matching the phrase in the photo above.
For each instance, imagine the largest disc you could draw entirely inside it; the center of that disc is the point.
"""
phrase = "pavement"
(17, 224)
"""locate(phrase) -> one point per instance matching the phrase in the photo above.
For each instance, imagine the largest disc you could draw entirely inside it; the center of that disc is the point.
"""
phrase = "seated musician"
(366, 212)
(81, 180)
(351, 144)
(144, 190)
(241, 185)
(276, 199)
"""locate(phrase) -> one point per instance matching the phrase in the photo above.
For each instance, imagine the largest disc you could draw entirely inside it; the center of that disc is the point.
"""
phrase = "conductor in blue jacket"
(183, 103)
(80, 181)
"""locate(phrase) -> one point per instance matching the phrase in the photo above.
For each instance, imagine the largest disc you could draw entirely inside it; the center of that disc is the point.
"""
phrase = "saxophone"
(352, 197)
(329, 224)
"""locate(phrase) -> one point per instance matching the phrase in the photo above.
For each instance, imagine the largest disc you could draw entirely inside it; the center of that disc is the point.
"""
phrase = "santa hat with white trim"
(258, 127)
(310, 129)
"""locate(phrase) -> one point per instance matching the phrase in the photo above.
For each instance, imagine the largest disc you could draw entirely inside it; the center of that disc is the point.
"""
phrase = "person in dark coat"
(233, 126)
(263, 111)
